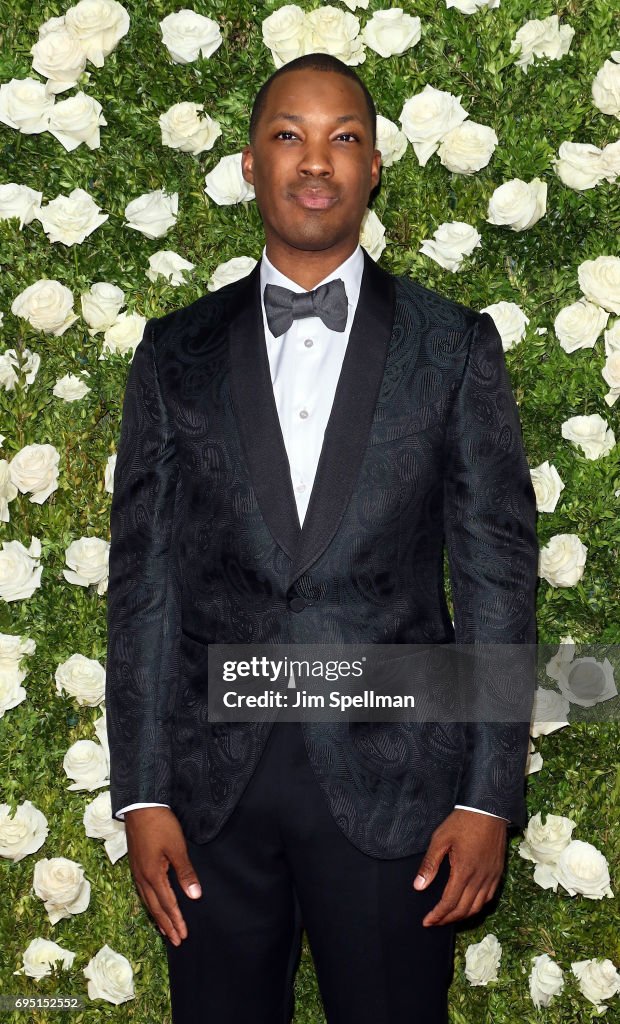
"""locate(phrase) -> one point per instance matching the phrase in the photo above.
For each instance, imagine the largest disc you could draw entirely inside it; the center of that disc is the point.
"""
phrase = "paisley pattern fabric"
(423, 450)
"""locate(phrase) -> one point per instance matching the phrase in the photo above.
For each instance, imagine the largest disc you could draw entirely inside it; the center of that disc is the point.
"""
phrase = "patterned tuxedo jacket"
(422, 450)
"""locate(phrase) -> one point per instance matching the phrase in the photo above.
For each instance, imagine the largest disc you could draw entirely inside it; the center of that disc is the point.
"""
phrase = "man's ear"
(247, 164)
(376, 168)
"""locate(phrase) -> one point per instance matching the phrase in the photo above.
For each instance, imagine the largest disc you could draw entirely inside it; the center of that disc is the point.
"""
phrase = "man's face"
(312, 162)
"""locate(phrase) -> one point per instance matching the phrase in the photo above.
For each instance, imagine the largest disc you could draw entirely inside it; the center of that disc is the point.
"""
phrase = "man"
(290, 466)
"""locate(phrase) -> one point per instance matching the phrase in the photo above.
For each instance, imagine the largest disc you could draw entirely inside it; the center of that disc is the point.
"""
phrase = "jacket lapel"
(257, 418)
(347, 429)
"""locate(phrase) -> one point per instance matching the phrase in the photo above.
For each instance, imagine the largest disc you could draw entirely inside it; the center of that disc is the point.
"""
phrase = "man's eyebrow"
(282, 115)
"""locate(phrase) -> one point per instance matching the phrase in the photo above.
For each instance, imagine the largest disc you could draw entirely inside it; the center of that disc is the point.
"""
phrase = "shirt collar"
(350, 273)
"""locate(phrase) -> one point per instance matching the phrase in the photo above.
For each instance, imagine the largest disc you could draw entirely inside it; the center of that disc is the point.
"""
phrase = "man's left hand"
(476, 848)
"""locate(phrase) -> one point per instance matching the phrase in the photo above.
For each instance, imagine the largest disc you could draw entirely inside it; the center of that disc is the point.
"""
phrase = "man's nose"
(315, 160)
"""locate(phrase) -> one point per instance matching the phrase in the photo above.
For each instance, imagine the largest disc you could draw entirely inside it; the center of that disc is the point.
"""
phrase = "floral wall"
(121, 198)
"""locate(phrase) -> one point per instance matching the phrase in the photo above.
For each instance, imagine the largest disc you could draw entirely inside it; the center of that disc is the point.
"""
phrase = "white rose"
(579, 325)
(70, 388)
(77, 120)
(544, 843)
(510, 320)
(548, 486)
(582, 869)
(564, 654)
(482, 960)
(353, 4)
(153, 213)
(8, 490)
(598, 980)
(170, 265)
(562, 560)
(101, 730)
(611, 374)
(82, 678)
(518, 204)
(21, 834)
(542, 38)
(231, 270)
(183, 128)
(60, 58)
(610, 159)
(51, 25)
(39, 956)
(391, 32)
(101, 306)
(427, 117)
(8, 376)
(61, 884)
(372, 234)
(70, 219)
(124, 334)
(450, 243)
(25, 104)
(612, 338)
(549, 712)
(187, 35)
(391, 142)
(20, 569)
(225, 184)
(12, 692)
(99, 824)
(606, 89)
(579, 165)
(30, 365)
(85, 762)
(533, 761)
(47, 305)
(12, 650)
(467, 148)
(286, 34)
(337, 32)
(110, 976)
(35, 468)
(591, 433)
(586, 681)
(471, 6)
(99, 25)
(19, 201)
(108, 476)
(546, 980)
(87, 559)
(599, 281)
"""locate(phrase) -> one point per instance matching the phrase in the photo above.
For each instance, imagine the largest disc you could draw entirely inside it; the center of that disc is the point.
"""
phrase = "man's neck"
(307, 268)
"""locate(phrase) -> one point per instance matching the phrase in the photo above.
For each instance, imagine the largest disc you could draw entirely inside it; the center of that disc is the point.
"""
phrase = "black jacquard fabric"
(423, 449)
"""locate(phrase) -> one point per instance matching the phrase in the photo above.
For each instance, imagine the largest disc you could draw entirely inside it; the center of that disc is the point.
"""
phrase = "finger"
(451, 896)
(165, 909)
(454, 912)
(429, 865)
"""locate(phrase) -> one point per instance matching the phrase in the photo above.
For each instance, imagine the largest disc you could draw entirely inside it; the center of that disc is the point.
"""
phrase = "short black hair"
(312, 62)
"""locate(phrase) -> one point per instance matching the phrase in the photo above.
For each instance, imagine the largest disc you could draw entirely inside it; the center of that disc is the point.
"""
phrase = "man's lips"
(314, 199)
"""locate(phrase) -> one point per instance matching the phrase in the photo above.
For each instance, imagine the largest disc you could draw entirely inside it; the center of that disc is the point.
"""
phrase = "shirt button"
(308, 343)
(304, 414)
(300, 488)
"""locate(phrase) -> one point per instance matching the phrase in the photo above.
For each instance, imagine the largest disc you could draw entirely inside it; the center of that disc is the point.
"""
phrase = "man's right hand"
(155, 840)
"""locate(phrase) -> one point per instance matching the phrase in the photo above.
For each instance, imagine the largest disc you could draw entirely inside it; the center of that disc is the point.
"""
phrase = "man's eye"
(348, 135)
(287, 133)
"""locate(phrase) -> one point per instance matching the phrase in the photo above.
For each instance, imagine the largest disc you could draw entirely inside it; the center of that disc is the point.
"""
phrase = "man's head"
(312, 157)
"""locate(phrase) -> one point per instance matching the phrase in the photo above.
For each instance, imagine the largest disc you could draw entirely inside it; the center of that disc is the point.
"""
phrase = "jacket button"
(296, 604)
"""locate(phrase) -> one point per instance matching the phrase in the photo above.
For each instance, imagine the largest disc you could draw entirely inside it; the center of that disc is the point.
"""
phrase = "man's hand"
(154, 841)
(476, 848)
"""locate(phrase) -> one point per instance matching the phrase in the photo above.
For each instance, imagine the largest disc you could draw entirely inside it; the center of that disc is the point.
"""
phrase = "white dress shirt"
(305, 364)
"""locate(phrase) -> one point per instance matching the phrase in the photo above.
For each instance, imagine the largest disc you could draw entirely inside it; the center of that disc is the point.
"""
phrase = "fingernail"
(194, 891)
(420, 879)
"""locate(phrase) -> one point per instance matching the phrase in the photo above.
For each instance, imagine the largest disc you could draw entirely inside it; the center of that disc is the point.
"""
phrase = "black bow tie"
(328, 301)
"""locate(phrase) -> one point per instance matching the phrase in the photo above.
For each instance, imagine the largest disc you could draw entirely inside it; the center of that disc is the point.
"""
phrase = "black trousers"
(279, 864)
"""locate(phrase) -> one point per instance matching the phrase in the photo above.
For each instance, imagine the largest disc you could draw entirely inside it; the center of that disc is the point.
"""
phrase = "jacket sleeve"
(490, 529)
(143, 607)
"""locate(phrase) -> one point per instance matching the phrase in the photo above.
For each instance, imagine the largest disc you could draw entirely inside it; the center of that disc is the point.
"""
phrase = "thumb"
(188, 879)
(429, 866)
